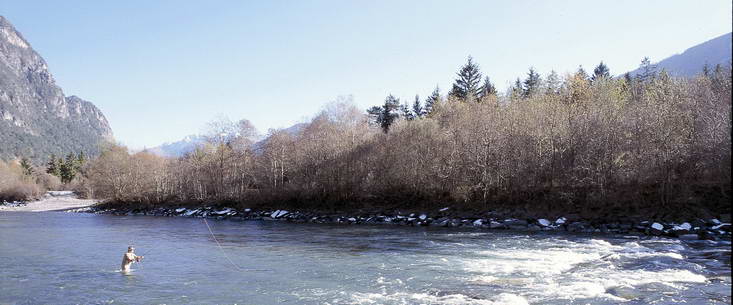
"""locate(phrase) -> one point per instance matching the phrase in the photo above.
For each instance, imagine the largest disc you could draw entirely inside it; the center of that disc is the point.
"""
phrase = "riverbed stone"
(656, 229)
(578, 226)
(278, 213)
(544, 222)
(496, 225)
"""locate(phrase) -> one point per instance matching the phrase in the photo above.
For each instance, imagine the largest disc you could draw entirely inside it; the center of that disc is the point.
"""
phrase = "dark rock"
(707, 235)
(496, 225)
(577, 226)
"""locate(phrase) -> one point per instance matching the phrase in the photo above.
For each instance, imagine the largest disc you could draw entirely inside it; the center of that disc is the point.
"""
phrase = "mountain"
(36, 118)
(690, 62)
(178, 148)
(189, 143)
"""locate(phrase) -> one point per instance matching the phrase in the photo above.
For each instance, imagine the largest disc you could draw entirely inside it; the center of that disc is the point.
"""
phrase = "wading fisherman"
(129, 258)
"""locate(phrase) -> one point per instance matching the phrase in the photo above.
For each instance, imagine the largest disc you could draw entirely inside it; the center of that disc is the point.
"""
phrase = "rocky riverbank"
(695, 229)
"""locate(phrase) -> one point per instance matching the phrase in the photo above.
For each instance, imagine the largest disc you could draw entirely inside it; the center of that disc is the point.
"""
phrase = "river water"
(66, 258)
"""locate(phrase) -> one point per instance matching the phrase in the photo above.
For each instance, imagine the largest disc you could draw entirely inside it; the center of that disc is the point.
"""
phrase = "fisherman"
(129, 258)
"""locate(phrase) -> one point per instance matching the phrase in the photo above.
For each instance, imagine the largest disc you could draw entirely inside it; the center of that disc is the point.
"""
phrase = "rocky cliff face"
(36, 118)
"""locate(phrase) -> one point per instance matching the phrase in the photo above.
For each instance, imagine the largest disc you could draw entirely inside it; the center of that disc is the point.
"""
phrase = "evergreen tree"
(516, 89)
(581, 73)
(467, 85)
(68, 168)
(431, 100)
(487, 88)
(386, 114)
(375, 115)
(552, 84)
(601, 71)
(27, 166)
(53, 166)
(647, 71)
(531, 84)
(405, 112)
(80, 160)
(417, 109)
(706, 70)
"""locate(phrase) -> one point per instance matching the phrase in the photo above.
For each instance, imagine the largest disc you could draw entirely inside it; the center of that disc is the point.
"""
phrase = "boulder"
(544, 222)
(682, 229)
(561, 221)
(496, 225)
(478, 222)
(578, 226)
(222, 212)
(278, 214)
(656, 229)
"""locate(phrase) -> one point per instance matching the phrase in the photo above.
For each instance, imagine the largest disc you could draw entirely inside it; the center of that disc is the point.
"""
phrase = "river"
(68, 258)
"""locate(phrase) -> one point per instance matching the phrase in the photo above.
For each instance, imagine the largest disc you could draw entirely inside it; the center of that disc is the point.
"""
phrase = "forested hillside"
(36, 118)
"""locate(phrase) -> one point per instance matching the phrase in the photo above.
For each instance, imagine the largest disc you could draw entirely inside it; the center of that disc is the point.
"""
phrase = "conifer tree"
(581, 73)
(487, 88)
(706, 70)
(601, 71)
(27, 166)
(431, 100)
(467, 85)
(405, 112)
(386, 114)
(552, 85)
(80, 160)
(647, 71)
(516, 90)
(532, 83)
(68, 168)
(417, 109)
(53, 166)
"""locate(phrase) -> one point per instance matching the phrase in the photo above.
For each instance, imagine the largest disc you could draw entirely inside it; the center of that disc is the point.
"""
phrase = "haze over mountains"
(36, 118)
(189, 143)
(691, 61)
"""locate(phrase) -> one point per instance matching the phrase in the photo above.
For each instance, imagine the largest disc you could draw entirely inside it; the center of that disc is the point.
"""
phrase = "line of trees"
(574, 142)
(21, 179)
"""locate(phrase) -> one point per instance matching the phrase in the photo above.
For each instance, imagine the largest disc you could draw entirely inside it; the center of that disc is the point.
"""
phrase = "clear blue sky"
(159, 70)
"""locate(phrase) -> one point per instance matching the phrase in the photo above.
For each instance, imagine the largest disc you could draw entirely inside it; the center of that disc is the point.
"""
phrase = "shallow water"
(66, 258)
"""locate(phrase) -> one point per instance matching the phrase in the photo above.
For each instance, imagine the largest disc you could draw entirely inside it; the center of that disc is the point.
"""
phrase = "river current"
(67, 258)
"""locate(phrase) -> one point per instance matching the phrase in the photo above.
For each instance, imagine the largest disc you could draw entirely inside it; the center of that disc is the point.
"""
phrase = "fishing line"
(220, 247)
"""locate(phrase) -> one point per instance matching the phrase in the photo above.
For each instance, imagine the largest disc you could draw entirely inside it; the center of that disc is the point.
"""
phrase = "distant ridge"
(189, 143)
(691, 61)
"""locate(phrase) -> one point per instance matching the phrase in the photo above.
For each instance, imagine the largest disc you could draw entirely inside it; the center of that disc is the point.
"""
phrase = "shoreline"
(53, 201)
(697, 229)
